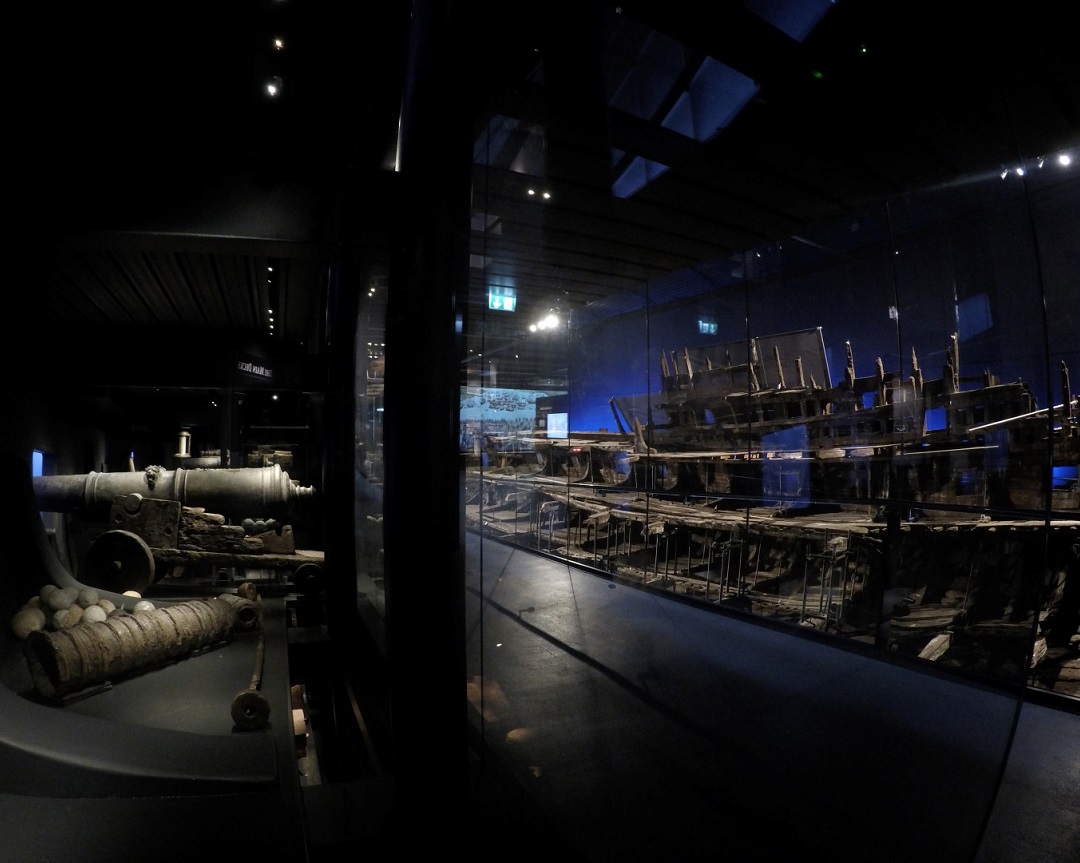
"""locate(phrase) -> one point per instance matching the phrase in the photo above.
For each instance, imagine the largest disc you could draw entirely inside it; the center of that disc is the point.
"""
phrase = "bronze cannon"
(234, 492)
(179, 518)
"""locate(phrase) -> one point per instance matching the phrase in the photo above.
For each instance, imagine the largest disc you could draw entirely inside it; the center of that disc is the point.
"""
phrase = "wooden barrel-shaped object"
(86, 654)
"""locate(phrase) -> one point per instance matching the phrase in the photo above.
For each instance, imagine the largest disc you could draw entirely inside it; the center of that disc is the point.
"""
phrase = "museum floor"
(612, 724)
(650, 729)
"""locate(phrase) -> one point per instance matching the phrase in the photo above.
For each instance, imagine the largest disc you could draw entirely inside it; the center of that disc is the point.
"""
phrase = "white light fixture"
(549, 322)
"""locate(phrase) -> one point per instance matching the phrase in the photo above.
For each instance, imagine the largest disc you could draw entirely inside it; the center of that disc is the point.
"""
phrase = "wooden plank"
(178, 557)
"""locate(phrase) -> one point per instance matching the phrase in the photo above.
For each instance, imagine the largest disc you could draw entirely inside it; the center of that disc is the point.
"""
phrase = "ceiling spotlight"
(273, 87)
(1064, 159)
(549, 322)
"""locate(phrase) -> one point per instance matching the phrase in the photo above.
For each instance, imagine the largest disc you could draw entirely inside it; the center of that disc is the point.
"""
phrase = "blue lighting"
(1064, 476)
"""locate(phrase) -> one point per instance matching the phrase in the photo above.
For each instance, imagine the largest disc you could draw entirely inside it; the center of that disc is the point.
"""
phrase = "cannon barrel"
(123, 644)
(233, 492)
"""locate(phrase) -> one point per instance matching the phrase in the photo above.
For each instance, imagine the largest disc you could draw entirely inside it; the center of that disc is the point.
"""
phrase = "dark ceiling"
(161, 184)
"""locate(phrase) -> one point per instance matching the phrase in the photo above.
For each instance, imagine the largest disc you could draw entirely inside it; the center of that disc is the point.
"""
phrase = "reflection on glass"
(875, 484)
(370, 351)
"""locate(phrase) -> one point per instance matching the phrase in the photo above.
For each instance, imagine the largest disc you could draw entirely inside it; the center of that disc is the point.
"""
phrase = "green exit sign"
(502, 299)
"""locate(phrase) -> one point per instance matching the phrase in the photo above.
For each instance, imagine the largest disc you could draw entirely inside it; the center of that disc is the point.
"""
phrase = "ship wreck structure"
(726, 412)
(900, 510)
(761, 419)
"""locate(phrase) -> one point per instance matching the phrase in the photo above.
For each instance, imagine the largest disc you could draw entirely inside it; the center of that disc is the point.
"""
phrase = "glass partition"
(846, 430)
(368, 461)
(860, 435)
(865, 429)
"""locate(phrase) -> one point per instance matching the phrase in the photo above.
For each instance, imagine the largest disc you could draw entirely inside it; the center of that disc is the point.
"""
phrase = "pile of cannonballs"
(255, 526)
(56, 608)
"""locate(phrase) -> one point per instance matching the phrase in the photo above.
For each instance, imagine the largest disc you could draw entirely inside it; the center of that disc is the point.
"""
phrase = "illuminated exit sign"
(502, 299)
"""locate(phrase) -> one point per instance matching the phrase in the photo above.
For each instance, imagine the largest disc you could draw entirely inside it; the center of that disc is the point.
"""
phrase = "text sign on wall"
(260, 371)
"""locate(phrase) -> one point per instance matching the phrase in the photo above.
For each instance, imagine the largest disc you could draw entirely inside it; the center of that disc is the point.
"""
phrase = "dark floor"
(639, 728)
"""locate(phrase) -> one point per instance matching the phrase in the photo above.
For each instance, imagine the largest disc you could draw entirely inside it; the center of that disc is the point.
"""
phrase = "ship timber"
(737, 427)
(928, 588)
(783, 432)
